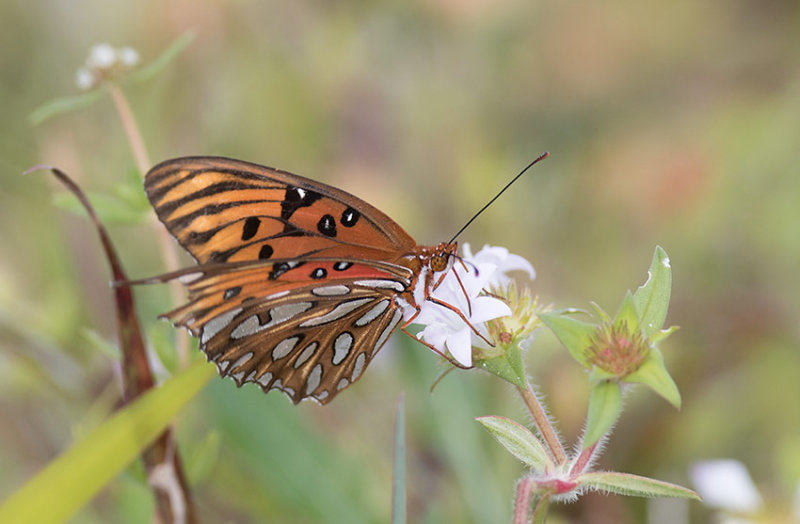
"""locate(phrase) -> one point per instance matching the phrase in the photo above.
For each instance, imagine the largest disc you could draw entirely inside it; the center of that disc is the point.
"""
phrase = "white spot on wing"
(323, 395)
(328, 291)
(279, 294)
(278, 315)
(190, 277)
(247, 327)
(361, 359)
(242, 360)
(222, 366)
(342, 384)
(306, 354)
(217, 324)
(373, 313)
(388, 330)
(264, 379)
(336, 313)
(284, 347)
(341, 347)
(238, 377)
(314, 379)
(381, 284)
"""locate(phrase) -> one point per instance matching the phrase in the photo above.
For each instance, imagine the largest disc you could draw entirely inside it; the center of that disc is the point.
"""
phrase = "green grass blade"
(78, 474)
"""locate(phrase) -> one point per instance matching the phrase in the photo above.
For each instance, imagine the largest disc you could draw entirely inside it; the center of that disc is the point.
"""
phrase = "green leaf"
(74, 477)
(399, 470)
(519, 441)
(627, 315)
(652, 298)
(573, 334)
(634, 485)
(508, 366)
(63, 104)
(163, 60)
(653, 373)
(605, 406)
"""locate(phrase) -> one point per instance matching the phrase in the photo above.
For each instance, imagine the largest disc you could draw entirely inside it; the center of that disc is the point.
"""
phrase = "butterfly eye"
(438, 263)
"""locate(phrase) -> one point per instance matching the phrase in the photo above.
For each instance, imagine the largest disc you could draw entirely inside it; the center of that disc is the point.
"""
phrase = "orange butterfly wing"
(225, 210)
(297, 280)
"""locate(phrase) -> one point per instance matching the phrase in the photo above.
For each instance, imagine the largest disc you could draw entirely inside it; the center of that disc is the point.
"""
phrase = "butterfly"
(298, 284)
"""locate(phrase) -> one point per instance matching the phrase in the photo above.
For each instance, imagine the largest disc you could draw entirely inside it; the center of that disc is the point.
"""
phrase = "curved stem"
(543, 424)
(522, 504)
(168, 251)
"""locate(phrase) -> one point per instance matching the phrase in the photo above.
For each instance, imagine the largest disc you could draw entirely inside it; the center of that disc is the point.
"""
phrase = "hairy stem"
(522, 504)
(543, 424)
(168, 252)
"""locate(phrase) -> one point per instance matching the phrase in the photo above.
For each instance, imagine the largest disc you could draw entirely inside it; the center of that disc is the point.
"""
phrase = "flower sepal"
(574, 334)
(509, 366)
(653, 374)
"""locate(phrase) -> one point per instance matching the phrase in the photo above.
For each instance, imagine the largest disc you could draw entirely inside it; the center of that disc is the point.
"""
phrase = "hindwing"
(305, 337)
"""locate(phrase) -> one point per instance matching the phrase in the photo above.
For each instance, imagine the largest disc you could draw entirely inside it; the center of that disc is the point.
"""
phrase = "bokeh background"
(674, 123)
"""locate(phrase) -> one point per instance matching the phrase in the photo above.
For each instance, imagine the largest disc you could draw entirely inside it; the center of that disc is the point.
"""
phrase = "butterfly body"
(298, 284)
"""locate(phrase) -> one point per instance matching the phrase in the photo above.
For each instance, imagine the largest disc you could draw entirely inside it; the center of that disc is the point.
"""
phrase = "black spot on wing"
(349, 217)
(327, 226)
(250, 228)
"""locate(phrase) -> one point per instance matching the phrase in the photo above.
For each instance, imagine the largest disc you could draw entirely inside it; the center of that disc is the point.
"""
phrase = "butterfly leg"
(404, 329)
(464, 318)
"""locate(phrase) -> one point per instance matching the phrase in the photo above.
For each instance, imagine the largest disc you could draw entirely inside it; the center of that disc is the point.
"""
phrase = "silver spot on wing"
(382, 284)
(314, 378)
(306, 354)
(341, 347)
(361, 359)
(373, 313)
(398, 315)
(284, 347)
(217, 324)
(329, 291)
(336, 313)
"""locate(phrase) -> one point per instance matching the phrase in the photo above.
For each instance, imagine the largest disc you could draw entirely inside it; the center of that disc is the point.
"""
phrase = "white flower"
(128, 56)
(502, 259)
(84, 79)
(102, 56)
(726, 484)
(444, 328)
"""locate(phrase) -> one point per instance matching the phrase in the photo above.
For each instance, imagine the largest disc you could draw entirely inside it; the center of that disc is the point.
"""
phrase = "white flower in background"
(103, 63)
(726, 485)
(444, 328)
(128, 56)
(84, 79)
(101, 56)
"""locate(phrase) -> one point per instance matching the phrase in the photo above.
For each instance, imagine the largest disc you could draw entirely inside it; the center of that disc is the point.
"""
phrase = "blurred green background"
(668, 123)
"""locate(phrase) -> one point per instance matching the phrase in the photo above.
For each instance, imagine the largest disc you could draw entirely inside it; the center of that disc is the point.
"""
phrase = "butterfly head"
(442, 257)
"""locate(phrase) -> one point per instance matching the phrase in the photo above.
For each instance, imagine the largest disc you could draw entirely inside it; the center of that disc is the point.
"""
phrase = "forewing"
(225, 210)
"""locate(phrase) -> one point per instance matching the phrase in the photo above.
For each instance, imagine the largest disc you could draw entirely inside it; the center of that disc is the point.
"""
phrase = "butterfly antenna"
(476, 215)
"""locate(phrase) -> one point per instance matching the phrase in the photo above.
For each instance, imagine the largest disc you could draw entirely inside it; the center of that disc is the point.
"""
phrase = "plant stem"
(543, 424)
(583, 460)
(131, 129)
(522, 504)
(168, 251)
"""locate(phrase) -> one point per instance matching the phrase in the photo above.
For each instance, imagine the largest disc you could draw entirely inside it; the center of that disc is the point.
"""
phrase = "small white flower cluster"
(444, 328)
(103, 62)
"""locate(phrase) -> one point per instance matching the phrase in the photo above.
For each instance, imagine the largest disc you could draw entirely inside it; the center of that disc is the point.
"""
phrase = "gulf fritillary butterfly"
(299, 284)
